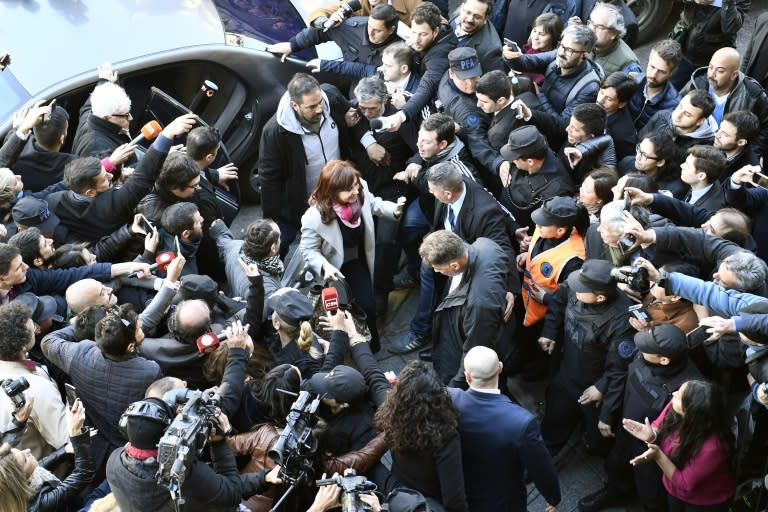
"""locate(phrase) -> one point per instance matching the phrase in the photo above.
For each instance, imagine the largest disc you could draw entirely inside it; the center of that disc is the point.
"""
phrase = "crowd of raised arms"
(566, 212)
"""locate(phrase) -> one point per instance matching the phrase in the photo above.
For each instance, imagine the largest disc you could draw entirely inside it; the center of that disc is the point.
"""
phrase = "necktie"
(452, 219)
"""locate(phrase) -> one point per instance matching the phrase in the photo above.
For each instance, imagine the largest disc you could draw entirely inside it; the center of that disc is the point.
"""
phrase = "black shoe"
(426, 355)
(408, 342)
(404, 280)
(604, 498)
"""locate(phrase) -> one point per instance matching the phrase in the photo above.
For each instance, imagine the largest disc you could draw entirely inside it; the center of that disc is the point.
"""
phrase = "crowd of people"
(567, 213)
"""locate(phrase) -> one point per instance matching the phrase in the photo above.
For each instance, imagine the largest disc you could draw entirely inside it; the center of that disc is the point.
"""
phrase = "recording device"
(512, 45)
(147, 225)
(185, 438)
(352, 485)
(47, 117)
(627, 242)
(15, 391)
(207, 91)
(306, 278)
(297, 443)
(380, 124)
(161, 263)
(330, 300)
(346, 10)
(210, 341)
(638, 311)
(149, 132)
(71, 394)
(636, 277)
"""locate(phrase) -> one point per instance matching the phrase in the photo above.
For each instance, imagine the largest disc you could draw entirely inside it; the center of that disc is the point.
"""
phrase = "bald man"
(732, 90)
(89, 292)
(490, 424)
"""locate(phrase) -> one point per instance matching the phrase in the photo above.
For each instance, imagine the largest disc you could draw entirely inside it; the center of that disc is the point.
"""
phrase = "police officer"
(590, 316)
(456, 93)
(661, 366)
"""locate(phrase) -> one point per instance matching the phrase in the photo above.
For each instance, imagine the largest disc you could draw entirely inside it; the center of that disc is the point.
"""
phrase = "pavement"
(580, 473)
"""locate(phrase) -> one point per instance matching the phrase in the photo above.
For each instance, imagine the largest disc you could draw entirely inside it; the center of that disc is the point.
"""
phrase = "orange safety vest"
(544, 270)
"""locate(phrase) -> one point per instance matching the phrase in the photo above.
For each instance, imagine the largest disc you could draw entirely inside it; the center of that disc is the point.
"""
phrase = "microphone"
(210, 341)
(346, 10)
(380, 124)
(330, 300)
(207, 91)
(149, 132)
(161, 262)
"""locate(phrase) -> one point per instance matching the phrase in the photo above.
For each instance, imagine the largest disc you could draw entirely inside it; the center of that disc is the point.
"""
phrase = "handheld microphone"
(330, 300)
(380, 124)
(162, 261)
(149, 132)
(210, 341)
(346, 10)
(207, 91)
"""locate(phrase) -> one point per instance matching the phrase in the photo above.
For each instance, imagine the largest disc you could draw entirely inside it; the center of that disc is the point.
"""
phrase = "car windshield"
(12, 94)
(269, 22)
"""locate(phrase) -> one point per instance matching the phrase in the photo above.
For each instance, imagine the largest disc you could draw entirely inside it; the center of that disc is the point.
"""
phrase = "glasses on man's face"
(644, 154)
(569, 51)
(195, 187)
(595, 26)
(124, 116)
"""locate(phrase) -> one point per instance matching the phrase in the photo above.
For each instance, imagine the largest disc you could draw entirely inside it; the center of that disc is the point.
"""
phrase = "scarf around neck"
(349, 214)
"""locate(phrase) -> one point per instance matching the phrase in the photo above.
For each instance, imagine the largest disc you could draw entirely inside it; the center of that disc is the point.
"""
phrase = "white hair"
(612, 216)
(108, 99)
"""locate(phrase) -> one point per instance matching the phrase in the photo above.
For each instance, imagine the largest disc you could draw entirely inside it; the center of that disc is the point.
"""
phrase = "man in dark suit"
(465, 208)
(490, 422)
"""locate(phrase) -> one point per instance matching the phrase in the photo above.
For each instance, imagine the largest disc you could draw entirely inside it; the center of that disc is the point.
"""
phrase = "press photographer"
(139, 481)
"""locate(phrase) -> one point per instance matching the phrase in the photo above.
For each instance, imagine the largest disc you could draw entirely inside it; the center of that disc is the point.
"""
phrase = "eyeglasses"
(591, 24)
(196, 186)
(124, 116)
(569, 51)
(643, 154)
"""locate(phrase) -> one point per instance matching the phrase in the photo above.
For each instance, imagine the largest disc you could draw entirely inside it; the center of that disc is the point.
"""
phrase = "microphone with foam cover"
(162, 261)
(149, 132)
(210, 341)
(346, 9)
(330, 300)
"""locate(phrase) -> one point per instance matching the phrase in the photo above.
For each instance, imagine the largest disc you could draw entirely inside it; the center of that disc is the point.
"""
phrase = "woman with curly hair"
(692, 443)
(420, 424)
(337, 233)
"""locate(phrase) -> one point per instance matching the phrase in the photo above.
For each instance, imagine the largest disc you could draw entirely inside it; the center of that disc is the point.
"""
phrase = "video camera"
(636, 278)
(352, 485)
(15, 391)
(185, 438)
(297, 443)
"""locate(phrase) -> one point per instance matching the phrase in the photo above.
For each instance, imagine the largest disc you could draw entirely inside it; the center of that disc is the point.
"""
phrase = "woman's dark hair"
(641, 181)
(85, 322)
(117, 330)
(336, 176)
(704, 415)
(666, 150)
(69, 256)
(260, 235)
(605, 179)
(552, 25)
(283, 377)
(418, 414)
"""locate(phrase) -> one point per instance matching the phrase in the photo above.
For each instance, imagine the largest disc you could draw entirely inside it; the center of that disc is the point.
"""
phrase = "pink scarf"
(349, 214)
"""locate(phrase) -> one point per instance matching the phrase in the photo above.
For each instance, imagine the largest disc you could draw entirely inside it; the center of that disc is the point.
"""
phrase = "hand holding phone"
(71, 394)
(513, 45)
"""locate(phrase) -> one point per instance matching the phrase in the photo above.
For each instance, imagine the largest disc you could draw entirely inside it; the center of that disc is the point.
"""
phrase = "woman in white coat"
(337, 232)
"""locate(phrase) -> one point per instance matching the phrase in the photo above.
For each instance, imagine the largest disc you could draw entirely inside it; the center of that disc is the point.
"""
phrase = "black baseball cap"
(464, 62)
(664, 340)
(31, 212)
(343, 384)
(593, 277)
(558, 211)
(523, 143)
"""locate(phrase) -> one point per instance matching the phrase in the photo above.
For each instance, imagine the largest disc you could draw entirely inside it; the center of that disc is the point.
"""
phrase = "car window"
(270, 22)
(12, 94)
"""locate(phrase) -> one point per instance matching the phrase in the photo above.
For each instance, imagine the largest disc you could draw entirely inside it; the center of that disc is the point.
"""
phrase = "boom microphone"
(210, 341)
(207, 91)
(346, 10)
(161, 262)
(149, 132)
(330, 300)
(380, 124)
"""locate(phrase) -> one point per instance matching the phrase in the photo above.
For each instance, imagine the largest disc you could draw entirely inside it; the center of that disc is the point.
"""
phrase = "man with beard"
(734, 137)
(473, 30)
(688, 124)
(655, 92)
(732, 90)
(569, 80)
